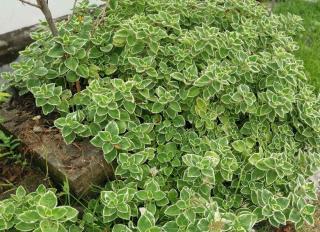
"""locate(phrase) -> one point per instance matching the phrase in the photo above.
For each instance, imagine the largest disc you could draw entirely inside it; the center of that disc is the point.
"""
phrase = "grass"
(309, 52)
(309, 40)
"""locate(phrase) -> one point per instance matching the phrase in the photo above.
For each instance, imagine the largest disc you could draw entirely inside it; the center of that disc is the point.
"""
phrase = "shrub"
(36, 211)
(201, 103)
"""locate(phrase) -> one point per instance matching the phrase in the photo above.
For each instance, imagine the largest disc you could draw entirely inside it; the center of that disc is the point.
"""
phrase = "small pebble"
(37, 129)
(36, 118)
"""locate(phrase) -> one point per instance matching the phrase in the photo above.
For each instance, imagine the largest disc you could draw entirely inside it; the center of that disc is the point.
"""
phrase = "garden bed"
(14, 174)
(80, 164)
(207, 115)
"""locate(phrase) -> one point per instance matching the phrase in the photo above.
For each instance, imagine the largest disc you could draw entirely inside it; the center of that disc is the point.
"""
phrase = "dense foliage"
(36, 211)
(309, 48)
(201, 103)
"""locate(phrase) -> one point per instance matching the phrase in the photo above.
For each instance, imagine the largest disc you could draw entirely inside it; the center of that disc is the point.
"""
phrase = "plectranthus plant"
(201, 103)
(37, 211)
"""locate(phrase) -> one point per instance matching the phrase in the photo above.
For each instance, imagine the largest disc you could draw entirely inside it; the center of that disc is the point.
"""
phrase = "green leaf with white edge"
(108, 212)
(30, 216)
(72, 228)
(129, 106)
(72, 77)
(202, 81)
(20, 192)
(279, 217)
(271, 177)
(179, 121)
(124, 215)
(309, 209)
(110, 69)
(159, 195)
(254, 158)
(247, 221)
(283, 202)
(146, 221)
(131, 39)
(155, 229)
(175, 106)
(72, 63)
(273, 222)
(107, 148)
(22, 226)
(152, 72)
(157, 108)
(41, 71)
(47, 109)
(55, 51)
(69, 138)
(142, 195)
(48, 199)
(110, 156)
(115, 113)
(123, 208)
(71, 214)
(309, 219)
(172, 210)
(178, 76)
(59, 212)
(71, 50)
(49, 226)
(112, 128)
(83, 71)
(107, 48)
(239, 145)
(193, 172)
(105, 136)
(265, 164)
(193, 92)
(213, 157)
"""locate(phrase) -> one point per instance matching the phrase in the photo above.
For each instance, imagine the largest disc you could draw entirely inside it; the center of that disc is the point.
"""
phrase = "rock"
(316, 179)
(81, 164)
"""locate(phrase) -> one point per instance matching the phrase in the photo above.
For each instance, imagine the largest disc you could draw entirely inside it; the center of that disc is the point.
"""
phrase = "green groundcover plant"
(36, 211)
(200, 102)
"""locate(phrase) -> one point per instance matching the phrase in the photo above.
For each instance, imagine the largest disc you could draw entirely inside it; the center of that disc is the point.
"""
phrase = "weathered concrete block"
(80, 163)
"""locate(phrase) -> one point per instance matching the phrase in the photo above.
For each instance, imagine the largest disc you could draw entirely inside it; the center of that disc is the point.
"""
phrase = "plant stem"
(29, 3)
(78, 86)
(42, 4)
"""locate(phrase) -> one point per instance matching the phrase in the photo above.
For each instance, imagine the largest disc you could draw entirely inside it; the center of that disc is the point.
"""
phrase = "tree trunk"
(47, 13)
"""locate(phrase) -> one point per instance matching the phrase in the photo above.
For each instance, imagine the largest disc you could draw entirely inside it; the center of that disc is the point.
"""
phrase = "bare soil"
(16, 173)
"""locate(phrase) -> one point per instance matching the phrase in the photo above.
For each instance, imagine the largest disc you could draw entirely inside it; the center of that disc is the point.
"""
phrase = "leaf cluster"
(202, 104)
(36, 211)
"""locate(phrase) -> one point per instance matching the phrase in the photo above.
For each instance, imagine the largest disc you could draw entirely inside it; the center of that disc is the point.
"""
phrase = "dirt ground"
(16, 173)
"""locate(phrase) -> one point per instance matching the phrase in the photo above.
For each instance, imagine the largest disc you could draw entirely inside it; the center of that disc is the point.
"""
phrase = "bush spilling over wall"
(201, 104)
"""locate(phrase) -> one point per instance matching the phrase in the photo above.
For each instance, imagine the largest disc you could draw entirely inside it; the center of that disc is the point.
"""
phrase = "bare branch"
(43, 5)
(29, 3)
